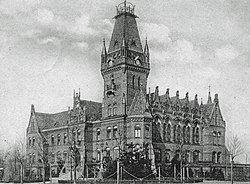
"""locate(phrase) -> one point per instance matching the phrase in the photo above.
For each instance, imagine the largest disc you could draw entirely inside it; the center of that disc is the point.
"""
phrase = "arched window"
(218, 138)
(107, 152)
(33, 158)
(98, 133)
(52, 140)
(58, 139)
(157, 152)
(137, 131)
(64, 138)
(196, 156)
(219, 157)
(187, 156)
(175, 131)
(167, 156)
(214, 137)
(179, 133)
(165, 132)
(133, 82)
(188, 134)
(116, 152)
(65, 154)
(78, 137)
(29, 141)
(184, 134)
(98, 155)
(33, 141)
(52, 158)
(213, 157)
(115, 109)
(147, 130)
(139, 82)
(109, 110)
(58, 156)
(169, 133)
(109, 133)
(115, 132)
(196, 135)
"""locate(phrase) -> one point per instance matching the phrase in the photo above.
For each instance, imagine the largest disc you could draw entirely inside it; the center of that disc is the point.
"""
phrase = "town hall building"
(129, 113)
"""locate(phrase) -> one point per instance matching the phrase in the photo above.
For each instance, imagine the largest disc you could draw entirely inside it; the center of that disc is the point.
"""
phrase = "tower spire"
(209, 100)
(146, 50)
(104, 51)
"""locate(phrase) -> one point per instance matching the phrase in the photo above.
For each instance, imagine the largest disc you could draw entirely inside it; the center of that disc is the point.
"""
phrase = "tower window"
(115, 131)
(115, 109)
(133, 82)
(52, 140)
(58, 139)
(64, 138)
(139, 82)
(33, 142)
(109, 110)
(137, 131)
(109, 133)
(98, 133)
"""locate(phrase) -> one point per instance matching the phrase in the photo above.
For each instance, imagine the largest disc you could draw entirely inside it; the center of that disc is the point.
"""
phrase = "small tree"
(235, 149)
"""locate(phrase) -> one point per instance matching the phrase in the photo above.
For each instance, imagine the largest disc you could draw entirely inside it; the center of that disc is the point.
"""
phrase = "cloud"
(226, 54)
(156, 32)
(44, 16)
(81, 45)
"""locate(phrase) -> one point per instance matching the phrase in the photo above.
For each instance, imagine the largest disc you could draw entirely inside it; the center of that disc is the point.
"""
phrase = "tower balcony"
(125, 7)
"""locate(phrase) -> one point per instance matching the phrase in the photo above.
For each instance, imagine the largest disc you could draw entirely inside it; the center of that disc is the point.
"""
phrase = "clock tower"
(125, 66)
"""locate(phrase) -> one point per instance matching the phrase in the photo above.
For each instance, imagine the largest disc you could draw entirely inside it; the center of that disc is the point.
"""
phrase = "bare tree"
(235, 149)
(41, 147)
(20, 155)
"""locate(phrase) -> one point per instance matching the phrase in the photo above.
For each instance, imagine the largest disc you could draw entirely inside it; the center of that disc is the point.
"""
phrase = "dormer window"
(115, 43)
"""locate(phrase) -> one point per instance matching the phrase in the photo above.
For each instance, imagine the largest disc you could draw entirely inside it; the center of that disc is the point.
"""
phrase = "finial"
(196, 97)
(167, 91)
(201, 101)
(187, 95)
(209, 100)
(104, 51)
(177, 93)
(79, 93)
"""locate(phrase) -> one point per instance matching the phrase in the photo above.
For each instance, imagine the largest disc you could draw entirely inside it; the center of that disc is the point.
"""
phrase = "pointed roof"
(146, 48)
(104, 51)
(125, 29)
(209, 100)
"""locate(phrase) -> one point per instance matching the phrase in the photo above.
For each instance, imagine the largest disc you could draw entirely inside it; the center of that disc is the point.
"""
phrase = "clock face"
(110, 62)
(137, 60)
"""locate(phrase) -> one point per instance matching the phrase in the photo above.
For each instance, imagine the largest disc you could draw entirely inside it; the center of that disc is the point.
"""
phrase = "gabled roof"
(93, 110)
(139, 104)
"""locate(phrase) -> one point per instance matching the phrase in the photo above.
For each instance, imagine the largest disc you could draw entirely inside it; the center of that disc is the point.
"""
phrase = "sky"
(49, 48)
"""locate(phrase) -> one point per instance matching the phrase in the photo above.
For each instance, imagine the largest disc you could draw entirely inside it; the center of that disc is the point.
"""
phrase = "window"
(147, 130)
(30, 158)
(29, 141)
(196, 135)
(98, 155)
(109, 110)
(169, 133)
(157, 152)
(214, 137)
(64, 138)
(167, 156)
(179, 133)
(52, 140)
(188, 134)
(218, 138)
(115, 132)
(79, 137)
(213, 157)
(107, 152)
(219, 157)
(98, 133)
(116, 152)
(184, 134)
(187, 156)
(33, 158)
(33, 141)
(58, 156)
(114, 109)
(65, 155)
(109, 133)
(137, 131)
(52, 158)
(139, 82)
(196, 156)
(133, 82)
(58, 139)
(175, 137)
